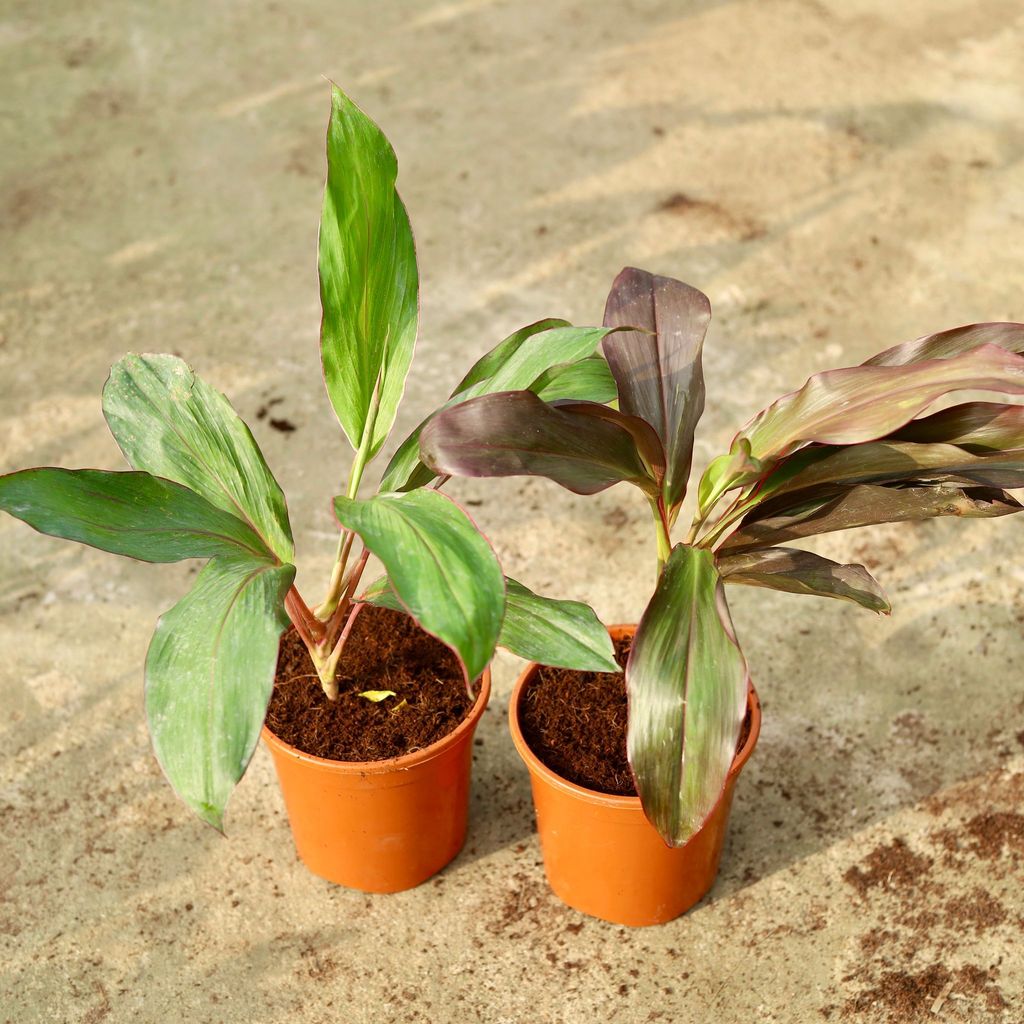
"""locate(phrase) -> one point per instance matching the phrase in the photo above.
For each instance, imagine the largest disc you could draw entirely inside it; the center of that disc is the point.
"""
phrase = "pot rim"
(593, 796)
(392, 764)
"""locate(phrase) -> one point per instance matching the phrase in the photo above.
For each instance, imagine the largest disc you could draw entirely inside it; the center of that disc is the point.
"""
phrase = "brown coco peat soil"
(575, 722)
(385, 651)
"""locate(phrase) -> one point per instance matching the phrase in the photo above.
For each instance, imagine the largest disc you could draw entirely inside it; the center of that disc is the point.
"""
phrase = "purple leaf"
(803, 572)
(955, 342)
(863, 403)
(646, 440)
(658, 369)
(868, 505)
(687, 682)
(976, 426)
(819, 471)
(514, 433)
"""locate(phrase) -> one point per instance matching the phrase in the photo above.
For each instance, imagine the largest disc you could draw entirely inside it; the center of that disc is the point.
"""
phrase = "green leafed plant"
(852, 447)
(199, 487)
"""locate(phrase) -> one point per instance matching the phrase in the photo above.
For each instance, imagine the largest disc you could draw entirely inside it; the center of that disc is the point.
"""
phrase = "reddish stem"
(340, 645)
(309, 627)
(341, 613)
(297, 620)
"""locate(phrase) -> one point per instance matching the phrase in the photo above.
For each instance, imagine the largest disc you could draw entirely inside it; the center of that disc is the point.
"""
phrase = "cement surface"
(838, 176)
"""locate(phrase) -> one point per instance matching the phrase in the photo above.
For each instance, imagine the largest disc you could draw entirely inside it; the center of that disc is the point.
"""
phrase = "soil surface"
(575, 722)
(385, 651)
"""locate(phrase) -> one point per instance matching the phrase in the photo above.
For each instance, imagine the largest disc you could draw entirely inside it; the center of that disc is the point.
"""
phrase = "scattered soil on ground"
(386, 650)
(910, 965)
(996, 833)
(892, 865)
(904, 997)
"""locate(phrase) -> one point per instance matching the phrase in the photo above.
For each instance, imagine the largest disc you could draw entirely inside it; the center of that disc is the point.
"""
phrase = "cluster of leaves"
(200, 488)
(853, 447)
(850, 448)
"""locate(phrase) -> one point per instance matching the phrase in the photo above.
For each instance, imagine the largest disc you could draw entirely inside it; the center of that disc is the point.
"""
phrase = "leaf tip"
(212, 816)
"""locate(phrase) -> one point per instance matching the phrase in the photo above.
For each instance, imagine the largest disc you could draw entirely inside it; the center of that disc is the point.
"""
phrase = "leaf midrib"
(167, 529)
(211, 681)
(203, 462)
(536, 615)
(423, 538)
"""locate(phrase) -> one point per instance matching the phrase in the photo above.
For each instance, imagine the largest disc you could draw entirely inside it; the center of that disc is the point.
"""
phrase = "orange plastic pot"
(602, 855)
(380, 826)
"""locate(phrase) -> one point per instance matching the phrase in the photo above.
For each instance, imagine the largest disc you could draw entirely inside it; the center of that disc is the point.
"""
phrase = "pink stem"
(341, 613)
(301, 617)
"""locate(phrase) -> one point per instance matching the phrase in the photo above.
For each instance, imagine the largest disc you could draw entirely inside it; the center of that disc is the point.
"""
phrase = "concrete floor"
(838, 176)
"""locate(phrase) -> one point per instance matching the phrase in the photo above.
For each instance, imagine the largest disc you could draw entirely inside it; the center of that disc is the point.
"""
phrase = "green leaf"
(381, 594)
(658, 368)
(172, 424)
(802, 572)
(535, 356)
(589, 380)
(563, 633)
(133, 514)
(868, 505)
(376, 696)
(491, 362)
(976, 426)
(862, 403)
(369, 284)
(687, 682)
(441, 567)
(517, 363)
(734, 469)
(209, 673)
(516, 434)
(948, 344)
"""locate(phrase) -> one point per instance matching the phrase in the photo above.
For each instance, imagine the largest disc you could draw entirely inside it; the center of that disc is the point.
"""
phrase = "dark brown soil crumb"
(871, 942)
(978, 909)
(996, 833)
(893, 866)
(575, 722)
(905, 998)
(386, 650)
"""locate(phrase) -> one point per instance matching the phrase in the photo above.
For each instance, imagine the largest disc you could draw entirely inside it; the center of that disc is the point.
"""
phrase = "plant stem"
(303, 619)
(739, 508)
(349, 585)
(325, 669)
(298, 620)
(347, 612)
(327, 608)
(661, 533)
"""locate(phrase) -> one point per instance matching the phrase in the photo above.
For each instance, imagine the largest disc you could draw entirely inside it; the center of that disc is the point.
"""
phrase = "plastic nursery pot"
(380, 826)
(602, 855)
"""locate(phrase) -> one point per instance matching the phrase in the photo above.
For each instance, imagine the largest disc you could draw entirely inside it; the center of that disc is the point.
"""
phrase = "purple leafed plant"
(852, 447)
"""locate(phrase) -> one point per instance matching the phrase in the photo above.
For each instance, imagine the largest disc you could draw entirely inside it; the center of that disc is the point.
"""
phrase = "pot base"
(601, 854)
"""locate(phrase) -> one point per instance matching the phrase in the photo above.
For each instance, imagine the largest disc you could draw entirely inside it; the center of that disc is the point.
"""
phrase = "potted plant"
(199, 487)
(852, 447)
